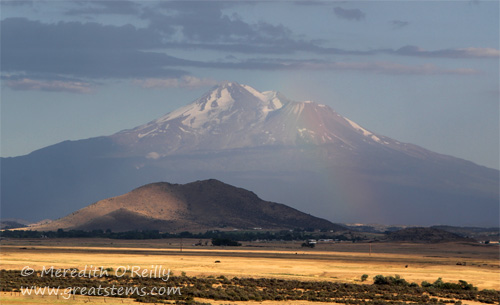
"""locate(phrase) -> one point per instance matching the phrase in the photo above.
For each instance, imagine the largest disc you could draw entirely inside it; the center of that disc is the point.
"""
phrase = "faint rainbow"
(352, 196)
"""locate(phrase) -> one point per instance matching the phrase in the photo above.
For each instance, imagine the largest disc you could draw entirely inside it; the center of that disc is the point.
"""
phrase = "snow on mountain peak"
(255, 93)
(223, 101)
(234, 116)
(365, 132)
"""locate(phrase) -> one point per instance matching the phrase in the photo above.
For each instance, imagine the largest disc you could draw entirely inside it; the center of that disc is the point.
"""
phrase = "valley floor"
(340, 262)
(7, 298)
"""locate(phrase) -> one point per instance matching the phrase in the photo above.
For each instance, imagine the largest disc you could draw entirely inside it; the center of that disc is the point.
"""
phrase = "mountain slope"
(301, 153)
(199, 205)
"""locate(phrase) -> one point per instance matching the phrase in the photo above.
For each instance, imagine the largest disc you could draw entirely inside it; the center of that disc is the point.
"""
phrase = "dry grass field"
(344, 262)
(340, 262)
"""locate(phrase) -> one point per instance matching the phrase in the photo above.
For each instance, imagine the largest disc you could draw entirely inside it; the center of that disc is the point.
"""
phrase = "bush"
(364, 277)
(380, 280)
(389, 280)
(439, 284)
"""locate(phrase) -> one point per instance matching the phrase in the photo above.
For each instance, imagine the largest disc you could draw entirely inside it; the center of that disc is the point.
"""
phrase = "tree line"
(285, 235)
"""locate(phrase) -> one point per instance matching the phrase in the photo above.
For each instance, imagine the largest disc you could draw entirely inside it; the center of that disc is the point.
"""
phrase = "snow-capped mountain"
(302, 154)
(238, 116)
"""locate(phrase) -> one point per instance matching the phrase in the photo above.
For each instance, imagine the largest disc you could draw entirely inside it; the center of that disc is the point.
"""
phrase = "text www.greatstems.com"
(67, 292)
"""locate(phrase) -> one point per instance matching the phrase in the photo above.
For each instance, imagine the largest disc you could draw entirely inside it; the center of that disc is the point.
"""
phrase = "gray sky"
(424, 72)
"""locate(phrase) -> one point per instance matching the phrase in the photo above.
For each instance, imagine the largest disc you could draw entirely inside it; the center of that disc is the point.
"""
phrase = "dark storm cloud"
(311, 2)
(118, 7)
(93, 64)
(357, 66)
(448, 53)
(21, 33)
(398, 24)
(289, 47)
(90, 50)
(205, 22)
(83, 50)
(16, 3)
(349, 14)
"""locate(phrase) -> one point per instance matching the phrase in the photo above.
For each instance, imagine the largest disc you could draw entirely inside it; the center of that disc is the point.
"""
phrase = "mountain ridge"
(199, 205)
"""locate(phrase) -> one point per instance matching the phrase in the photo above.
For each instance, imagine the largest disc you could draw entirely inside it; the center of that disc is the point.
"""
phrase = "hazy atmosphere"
(421, 72)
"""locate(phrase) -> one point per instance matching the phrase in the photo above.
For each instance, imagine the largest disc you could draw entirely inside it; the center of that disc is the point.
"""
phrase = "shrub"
(439, 284)
(380, 280)
(389, 280)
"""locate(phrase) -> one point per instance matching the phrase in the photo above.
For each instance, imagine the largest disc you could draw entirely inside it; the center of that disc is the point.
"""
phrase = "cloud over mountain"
(349, 14)
(148, 46)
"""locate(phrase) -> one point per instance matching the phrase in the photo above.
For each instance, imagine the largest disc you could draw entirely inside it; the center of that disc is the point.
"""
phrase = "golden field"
(340, 262)
(344, 262)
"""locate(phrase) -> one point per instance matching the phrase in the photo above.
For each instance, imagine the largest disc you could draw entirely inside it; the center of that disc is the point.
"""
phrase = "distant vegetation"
(224, 242)
(430, 235)
(384, 290)
(414, 234)
(287, 235)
